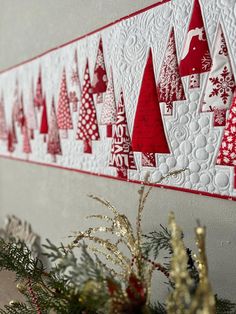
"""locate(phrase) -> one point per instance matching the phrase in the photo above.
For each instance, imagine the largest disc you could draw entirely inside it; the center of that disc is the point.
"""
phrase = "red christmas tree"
(31, 116)
(220, 84)
(3, 124)
(99, 83)
(44, 120)
(20, 118)
(75, 92)
(10, 141)
(87, 123)
(38, 99)
(53, 143)
(64, 119)
(196, 57)
(122, 156)
(170, 87)
(227, 151)
(26, 139)
(108, 114)
(148, 132)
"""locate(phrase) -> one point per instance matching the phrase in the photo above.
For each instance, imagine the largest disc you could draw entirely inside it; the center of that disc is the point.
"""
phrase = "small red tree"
(108, 114)
(122, 156)
(38, 99)
(44, 121)
(20, 118)
(75, 92)
(3, 124)
(53, 142)
(220, 84)
(87, 124)
(26, 139)
(31, 115)
(64, 119)
(99, 83)
(148, 131)
(170, 87)
(10, 143)
(196, 57)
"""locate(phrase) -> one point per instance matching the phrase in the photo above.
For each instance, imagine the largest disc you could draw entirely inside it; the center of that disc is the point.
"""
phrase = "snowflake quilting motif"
(223, 85)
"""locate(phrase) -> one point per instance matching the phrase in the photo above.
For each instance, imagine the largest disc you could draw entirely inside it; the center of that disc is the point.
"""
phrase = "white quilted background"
(192, 139)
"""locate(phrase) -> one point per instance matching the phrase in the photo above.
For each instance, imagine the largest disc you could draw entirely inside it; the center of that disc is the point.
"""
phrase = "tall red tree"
(3, 124)
(53, 142)
(227, 151)
(87, 124)
(31, 114)
(122, 156)
(20, 117)
(26, 139)
(220, 83)
(148, 131)
(170, 87)
(108, 114)
(196, 57)
(75, 91)
(38, 98)
(99, 83)
(44, 120)
(64, 118)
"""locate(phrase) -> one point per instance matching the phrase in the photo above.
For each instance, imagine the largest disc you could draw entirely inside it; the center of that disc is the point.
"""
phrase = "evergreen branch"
(17, 308)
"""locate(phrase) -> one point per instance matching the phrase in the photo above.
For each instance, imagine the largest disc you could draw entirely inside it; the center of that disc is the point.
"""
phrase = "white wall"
(55, 200)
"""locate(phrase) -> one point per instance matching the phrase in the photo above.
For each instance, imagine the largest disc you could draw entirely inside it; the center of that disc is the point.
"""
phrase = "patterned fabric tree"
(38, 99)
(44, 121)
(31, 115)
(26, 139)
(108, 114)
(16, 102)
(99, 83)
(196, 56)
(53, 143)
(10, 141)
(148, 131)
(64, 119)
(3, 124)
(87, 124)
(122, 156)
(227, 151)
(220, 84)
(170, 87)
(75, 92)
(20, 118)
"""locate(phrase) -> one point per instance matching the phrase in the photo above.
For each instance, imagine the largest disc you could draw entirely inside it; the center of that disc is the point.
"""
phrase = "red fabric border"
(226, 197)
(85, 35)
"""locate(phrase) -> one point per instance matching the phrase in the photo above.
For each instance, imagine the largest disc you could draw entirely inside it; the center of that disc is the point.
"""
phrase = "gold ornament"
(21, 287)
(13, 303)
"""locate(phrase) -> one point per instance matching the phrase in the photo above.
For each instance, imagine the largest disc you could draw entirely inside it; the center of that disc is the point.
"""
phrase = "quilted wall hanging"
(153, 92)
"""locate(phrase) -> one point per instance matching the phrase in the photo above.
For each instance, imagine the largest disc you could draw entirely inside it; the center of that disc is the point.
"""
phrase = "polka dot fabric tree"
(87, 123)
(64, 119)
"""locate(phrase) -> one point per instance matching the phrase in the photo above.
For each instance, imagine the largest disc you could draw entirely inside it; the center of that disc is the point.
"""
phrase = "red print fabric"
(227, 152)
(148, 131)
(44, 120)
(3, 125)
(122, 156)
(87, 124)
(99, 84)
(64, 119)
(31, 114)
(75, 92)
(26, 139)
(53, 143)
(220, 84)
(38, 99)
(170, 87)
(196, 56)
(108, 114)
